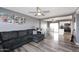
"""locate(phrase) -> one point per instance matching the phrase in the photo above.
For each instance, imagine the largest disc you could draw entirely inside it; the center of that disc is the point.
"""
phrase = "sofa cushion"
(8, 44)
(8, 35)
(37, 38)
(22, 33)
(30, 31)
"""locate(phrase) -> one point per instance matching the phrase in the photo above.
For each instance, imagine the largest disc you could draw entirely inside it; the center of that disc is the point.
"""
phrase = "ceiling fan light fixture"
(39, 14)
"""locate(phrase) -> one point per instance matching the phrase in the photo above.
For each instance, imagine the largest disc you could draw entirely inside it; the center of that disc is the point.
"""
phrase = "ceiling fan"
(39, 12)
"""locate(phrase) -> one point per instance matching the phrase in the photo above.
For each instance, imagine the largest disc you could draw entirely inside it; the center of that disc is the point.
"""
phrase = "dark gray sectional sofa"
(15, 39)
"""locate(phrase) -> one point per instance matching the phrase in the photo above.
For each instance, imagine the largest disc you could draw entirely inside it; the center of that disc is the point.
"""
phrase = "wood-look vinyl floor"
(49, 45)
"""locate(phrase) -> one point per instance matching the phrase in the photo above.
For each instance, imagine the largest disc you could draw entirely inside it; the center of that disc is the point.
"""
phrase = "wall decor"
(12, 18)
(4, 17)
(22, 20)
(16, 19)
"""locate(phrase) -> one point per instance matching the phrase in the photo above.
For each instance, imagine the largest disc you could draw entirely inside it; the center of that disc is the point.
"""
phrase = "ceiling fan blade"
(43, 14)
(35, 14)
(45, 11)
(32, 12)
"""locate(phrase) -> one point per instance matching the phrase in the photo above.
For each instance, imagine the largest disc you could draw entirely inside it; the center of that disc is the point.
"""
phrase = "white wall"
(11, 27)
(30, 22)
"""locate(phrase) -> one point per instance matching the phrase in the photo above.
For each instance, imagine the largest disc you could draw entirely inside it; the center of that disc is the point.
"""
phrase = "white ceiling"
(54, 11)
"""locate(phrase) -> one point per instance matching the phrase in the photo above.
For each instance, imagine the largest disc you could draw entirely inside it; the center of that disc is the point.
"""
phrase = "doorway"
(61, 31)
(54, 31)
